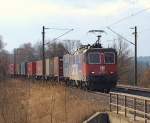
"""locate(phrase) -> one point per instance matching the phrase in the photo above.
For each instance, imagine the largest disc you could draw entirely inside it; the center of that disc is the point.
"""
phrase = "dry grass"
(26, 102)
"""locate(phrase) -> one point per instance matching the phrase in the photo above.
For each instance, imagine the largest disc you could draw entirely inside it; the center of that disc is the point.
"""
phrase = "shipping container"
(11, 69)
(66, 65)
(23, 68)
(31, 68)
(76, 67)
(18, 69)
(51, 66)
(58, 66)
(47, 67)
(39, 68)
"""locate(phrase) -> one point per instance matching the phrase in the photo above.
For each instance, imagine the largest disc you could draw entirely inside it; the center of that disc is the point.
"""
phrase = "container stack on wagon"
(11, 69)
(66, 66)
(39, 69)
(31, 69)
(18, 69)
(58, 67)
(47, 68)
(23, 69)
(51, 68)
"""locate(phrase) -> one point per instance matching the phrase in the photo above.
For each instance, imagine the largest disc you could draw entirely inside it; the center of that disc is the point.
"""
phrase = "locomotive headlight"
(92, 72)
(111, 72)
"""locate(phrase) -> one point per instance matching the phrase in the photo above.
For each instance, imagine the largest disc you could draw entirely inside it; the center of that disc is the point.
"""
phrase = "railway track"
(137, 91)
(145, 92)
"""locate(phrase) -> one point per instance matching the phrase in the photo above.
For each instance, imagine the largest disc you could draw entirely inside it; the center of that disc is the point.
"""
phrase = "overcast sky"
(21, 21)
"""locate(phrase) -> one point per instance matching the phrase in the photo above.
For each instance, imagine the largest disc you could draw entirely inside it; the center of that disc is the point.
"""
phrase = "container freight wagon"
(31, 69)
(58, 67)
(49, 68)
(11, 69)
(76, 68)
(18, 71)
(23, 69)
(66, 66)
(73, 68)
(39, 69)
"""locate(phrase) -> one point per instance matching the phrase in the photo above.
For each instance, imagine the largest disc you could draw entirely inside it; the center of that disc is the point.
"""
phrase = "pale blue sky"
(21, 20)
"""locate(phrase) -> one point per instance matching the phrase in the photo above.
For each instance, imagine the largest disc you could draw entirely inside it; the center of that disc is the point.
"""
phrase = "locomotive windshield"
(94, 58)
(109, 58)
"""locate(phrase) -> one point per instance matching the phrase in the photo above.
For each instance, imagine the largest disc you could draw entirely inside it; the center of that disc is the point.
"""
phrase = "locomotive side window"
(94, 58)
(109, 58)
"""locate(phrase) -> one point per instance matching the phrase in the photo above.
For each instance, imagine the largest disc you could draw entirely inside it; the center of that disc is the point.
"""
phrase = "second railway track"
(145, 92)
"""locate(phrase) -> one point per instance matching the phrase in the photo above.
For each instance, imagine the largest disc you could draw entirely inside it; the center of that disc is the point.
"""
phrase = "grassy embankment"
(28, 102)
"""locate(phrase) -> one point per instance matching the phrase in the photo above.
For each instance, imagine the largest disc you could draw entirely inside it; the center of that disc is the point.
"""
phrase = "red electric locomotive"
(100, 68)
(92, 67)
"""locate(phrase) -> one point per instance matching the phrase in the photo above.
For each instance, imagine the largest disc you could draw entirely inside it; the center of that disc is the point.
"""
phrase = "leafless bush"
(3, 61)
(145, 79)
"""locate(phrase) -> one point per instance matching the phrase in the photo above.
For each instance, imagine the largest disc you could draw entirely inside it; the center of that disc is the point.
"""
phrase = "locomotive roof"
(84, 50)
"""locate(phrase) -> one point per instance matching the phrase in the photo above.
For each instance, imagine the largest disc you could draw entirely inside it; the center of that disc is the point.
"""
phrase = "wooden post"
(134, 104)
(145, 110)
(110, 102)
(125, 105)
(117, 104)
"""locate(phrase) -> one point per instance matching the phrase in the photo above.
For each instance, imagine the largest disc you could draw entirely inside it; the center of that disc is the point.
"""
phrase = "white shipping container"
(47, 66)
(51, 65)
(66, 65)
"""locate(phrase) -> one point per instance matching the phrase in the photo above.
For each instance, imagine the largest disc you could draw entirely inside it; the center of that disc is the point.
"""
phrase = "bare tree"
(38, 50)
(125, 61)
(3, 61)
(56, 49)
(145, 78)
(72, 45)
(25, 53)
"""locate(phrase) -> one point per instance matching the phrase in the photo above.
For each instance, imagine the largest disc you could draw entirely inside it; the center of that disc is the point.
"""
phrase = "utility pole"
(43, 50)
(135, 72)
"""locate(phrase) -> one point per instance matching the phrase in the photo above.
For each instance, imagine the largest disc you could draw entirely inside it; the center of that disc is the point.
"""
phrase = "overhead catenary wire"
(123, 19)
(120, 35)
(59, 28)
(127, 17)
(63, 34)
(69, 30)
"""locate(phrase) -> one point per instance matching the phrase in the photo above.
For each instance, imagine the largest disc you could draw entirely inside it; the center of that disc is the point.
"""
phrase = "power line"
(132, 15)
(120, 35)
(58, 28)
(123, 19)
(61, 35)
